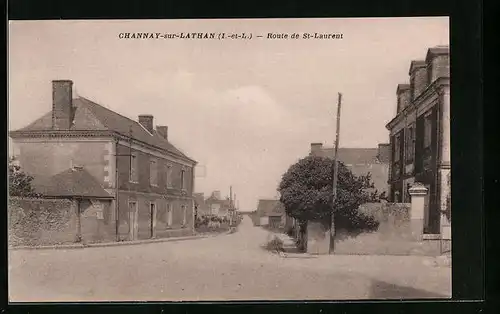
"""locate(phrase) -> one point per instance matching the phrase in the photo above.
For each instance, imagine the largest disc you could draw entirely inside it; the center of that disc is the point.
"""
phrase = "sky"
(245, 109)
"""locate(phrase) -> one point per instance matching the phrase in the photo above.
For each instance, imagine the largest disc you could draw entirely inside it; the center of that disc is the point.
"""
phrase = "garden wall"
(393, 236)
(41, 221)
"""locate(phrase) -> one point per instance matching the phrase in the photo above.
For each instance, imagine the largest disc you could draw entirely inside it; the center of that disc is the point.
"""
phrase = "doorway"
(152, 212)
(133, 220)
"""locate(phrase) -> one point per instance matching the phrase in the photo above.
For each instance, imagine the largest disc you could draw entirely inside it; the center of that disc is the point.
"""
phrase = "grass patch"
(275, 245)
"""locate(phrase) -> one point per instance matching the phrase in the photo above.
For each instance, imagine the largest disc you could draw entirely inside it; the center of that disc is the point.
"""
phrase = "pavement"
(227, 267)
(106, 244)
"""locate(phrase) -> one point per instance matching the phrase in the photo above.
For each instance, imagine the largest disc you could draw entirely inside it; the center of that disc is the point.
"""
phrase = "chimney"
(163, 131)
(404, 96)
(316, 149)
(62, 104)
(146, 120)
(418, 78)
(216, 194)
(438, 62)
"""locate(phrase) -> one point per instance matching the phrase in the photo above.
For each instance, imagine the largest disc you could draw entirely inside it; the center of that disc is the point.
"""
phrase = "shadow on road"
(384, 290)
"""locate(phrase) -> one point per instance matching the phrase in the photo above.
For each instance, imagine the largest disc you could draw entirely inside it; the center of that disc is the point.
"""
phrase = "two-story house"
(218, 206)
(150, 181)
(420, 135)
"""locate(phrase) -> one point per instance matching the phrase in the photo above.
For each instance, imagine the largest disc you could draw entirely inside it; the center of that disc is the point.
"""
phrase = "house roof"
(354, 156)
(363, 160)
(270, 208)
(90, 116)
(73, 182)
(437, 50)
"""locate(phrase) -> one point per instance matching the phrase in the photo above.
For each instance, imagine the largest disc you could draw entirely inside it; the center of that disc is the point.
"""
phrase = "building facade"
(361, 161)
(150, 181)
(420, 136)
(217, 206)
(271, 213)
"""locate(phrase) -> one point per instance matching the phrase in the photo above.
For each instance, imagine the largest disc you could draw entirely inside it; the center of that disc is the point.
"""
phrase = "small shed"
(95, 219)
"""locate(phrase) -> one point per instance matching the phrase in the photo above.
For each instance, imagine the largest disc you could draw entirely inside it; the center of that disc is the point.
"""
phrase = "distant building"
(272, 213)
(420, 135)
(362, 161)
(217, 206)
(148, 181)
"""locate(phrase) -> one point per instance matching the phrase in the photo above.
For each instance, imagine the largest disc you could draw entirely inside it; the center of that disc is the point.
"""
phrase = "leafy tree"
(20, 182)
(306, 193)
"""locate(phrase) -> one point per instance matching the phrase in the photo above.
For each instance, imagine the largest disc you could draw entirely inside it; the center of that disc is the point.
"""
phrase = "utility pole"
(335, 175)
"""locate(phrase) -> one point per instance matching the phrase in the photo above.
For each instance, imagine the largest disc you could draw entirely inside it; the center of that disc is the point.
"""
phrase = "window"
(410, 143)
(169, 215)
(397, 147)
(427, 131)
(134, 175)
(183, 179)
(169, 176)
(153, 172)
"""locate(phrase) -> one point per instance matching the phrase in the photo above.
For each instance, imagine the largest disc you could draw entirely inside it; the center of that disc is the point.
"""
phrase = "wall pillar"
(445, 164)
(418, 192)
(318, 238)
(445, 128)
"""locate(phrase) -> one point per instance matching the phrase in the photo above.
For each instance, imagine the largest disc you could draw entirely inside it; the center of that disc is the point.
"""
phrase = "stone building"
(272, 214)
(361, 161)
(149, 180)
(218, 206)
(420, 136)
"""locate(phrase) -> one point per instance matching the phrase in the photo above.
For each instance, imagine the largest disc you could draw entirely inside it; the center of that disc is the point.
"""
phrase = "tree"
(306, 193)
(20, 182)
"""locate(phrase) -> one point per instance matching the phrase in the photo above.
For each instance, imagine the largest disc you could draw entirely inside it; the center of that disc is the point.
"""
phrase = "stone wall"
(394, 235)
(35, 222)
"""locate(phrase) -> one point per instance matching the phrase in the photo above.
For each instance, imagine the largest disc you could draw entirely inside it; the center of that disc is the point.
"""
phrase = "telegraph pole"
(335, 175)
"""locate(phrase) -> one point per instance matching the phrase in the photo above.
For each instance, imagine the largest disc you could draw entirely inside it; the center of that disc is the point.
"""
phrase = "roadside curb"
(122, 243)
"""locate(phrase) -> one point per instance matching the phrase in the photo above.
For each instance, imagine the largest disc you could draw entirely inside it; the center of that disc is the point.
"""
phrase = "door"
(152, 210)
(133, 213)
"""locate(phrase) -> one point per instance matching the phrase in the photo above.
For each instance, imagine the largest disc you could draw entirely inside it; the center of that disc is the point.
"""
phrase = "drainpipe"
(117, 203)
